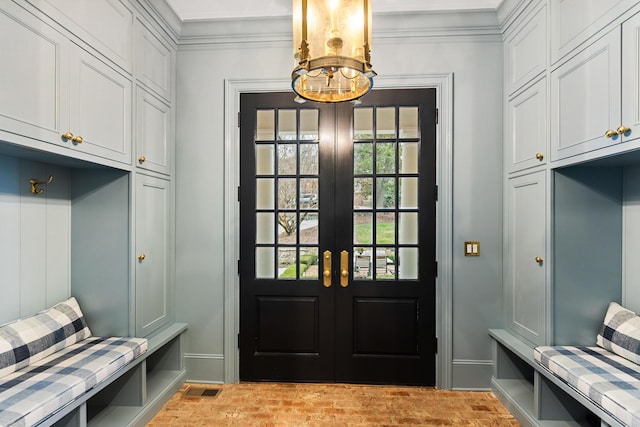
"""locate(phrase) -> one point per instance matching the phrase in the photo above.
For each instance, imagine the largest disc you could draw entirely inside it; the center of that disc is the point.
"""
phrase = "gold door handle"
(142, 159)
(622, 130)
(67, 136)
(344, 269)
(539, 260)
(141, 257)
(539, 156)
(77, 139)
(326, 274)
(610, 133)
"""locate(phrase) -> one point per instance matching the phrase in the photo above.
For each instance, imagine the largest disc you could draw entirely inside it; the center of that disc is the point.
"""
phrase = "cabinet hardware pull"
(539, 260)
(539, 156)
(142, 159)
(326, 274)
(78, 139)
(344, 269)
(610, 133)
(68, 136)
(141, 257)
(622, 130)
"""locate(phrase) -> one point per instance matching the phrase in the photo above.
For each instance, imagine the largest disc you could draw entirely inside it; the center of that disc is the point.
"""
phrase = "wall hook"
(34, 185)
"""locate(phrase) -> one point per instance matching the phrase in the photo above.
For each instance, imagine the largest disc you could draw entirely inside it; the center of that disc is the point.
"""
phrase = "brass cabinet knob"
(67, 136)
(142, 159)
(539, 156)
(539, 260)
(622, 130)
(141, 257)
(610, 133)
(78, 139)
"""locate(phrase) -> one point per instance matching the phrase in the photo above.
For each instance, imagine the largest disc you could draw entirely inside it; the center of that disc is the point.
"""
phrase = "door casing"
(443, 83)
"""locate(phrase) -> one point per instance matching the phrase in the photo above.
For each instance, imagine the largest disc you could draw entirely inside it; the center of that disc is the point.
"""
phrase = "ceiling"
(224, 9)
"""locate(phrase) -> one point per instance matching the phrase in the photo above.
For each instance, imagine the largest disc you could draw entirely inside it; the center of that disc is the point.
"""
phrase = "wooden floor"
(278, 404)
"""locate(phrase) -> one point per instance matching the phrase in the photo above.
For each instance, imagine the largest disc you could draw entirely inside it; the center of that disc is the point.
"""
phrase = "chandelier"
(332, 42)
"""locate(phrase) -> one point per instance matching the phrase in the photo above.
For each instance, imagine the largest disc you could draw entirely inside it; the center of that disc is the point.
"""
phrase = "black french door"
(337, 229)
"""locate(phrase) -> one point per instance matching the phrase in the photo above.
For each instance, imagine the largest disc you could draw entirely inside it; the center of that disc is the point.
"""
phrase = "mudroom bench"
(572, 385)
(54, 373)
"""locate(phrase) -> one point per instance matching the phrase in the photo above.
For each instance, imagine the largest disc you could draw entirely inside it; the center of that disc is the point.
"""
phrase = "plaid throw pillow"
(27, 340)
(620, 332)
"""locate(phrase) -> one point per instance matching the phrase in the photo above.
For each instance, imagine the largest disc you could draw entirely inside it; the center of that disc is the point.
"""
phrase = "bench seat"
(34, 393)
(611, 382)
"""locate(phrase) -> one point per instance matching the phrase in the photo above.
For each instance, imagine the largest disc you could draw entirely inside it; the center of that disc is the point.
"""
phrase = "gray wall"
(403, 47)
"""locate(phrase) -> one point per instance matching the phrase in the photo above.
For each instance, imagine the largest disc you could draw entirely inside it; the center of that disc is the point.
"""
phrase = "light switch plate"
(471, 248)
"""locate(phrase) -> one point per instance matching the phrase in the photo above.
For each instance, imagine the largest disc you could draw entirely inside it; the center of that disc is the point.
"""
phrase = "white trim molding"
(443, 83)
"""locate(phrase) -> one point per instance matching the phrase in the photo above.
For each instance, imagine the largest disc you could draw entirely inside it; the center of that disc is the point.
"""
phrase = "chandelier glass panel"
(332, 49)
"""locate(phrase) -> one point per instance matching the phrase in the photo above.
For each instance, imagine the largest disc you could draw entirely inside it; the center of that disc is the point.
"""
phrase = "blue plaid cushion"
(28, 340)
(620, 332)
(36, 392)
(610, 381)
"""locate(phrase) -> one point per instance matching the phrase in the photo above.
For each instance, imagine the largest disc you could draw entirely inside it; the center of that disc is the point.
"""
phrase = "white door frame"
(443, 83)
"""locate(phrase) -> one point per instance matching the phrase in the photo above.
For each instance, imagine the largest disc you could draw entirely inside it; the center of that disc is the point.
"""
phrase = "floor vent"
(201, 392)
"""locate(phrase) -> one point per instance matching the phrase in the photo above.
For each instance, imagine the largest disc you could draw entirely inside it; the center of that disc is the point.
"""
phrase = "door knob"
(344, 269)
(326, 264)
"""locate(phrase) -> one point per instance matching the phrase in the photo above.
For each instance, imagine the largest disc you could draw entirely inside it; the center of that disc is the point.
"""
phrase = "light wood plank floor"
(292, 404)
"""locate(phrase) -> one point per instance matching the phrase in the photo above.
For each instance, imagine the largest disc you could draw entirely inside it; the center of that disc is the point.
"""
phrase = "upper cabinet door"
(525, 51)
(631, 78)
(154, 140)
(527, 130)
(100, 108)
(574, 21)
(33, 87)
(155, 62)
(106, 25)
(585, 99)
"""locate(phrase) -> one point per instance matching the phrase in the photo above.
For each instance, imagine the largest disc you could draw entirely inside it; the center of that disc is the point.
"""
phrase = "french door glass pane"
(265, 261)
(287, 227)
(287, 159)
(385, 228)
(385, 263)
(362, 193)
(287, 193)
(308, 263)
(309, 159)
(362, 158)
(287, 263)
(385, 192)
(287, 127)
(408, 263)
(308, 228)
(409, 152)
(408, 117)
(265, 125)
(264, 193)
(408, 193)
(309, 125)
(363, 123)
(386, 158)
(265, 231)
(408, 228)
(386, 123)
(264, 159)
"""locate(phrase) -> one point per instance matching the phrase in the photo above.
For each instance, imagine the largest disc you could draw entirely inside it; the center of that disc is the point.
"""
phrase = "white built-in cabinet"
(526, 293)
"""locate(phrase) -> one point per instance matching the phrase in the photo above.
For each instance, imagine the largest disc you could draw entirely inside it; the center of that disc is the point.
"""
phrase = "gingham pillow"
(27, 340)
(620, 332)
